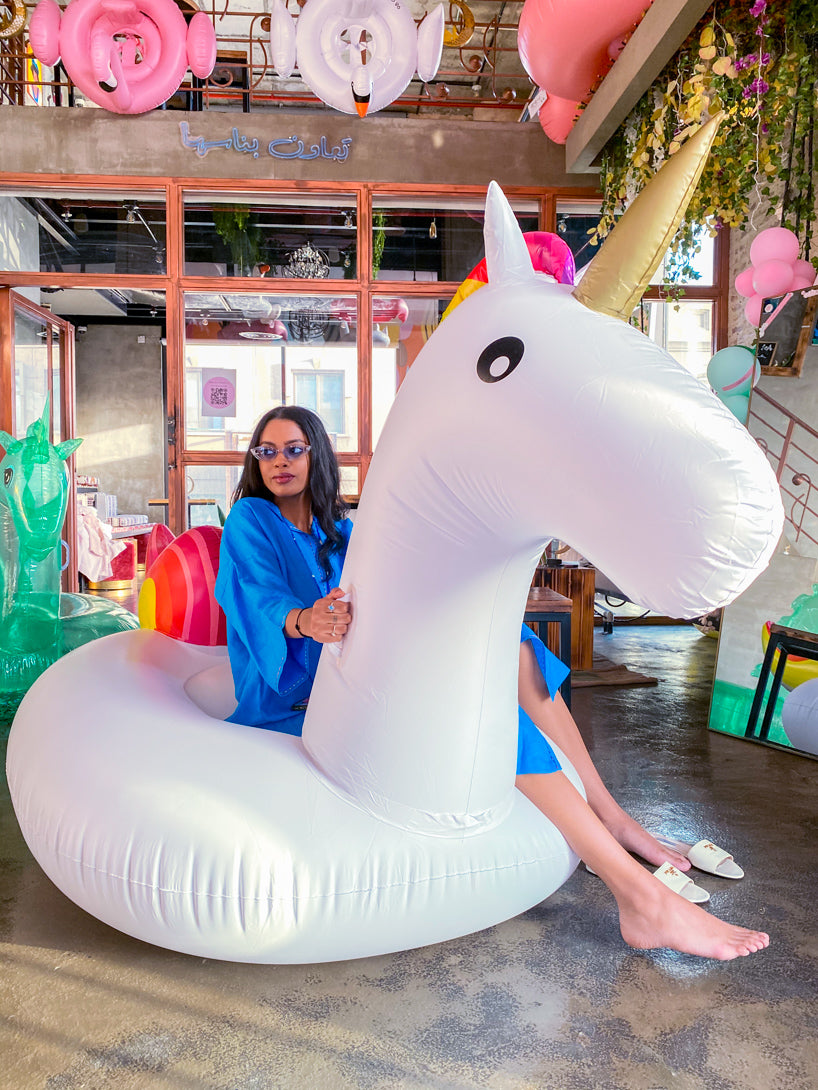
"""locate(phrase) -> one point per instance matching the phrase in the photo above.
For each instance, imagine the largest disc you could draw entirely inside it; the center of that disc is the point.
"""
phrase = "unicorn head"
(532, 413)
(34, 486)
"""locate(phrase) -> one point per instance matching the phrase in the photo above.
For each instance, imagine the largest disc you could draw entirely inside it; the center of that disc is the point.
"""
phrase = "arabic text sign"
(288, 147)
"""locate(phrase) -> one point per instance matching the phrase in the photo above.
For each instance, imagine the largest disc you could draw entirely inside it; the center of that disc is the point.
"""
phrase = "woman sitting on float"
(282, 553)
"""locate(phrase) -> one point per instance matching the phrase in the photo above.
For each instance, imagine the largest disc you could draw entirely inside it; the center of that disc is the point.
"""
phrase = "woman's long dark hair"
(328, 505)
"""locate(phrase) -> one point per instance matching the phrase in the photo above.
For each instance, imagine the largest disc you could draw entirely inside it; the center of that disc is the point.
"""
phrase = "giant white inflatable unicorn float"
(394, 822)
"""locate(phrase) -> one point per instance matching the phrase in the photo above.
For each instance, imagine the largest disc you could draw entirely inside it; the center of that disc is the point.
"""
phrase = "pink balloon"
(799, 282)
(557, 117)
(776, 243)
(201, 45)
(744, 283)
(563, 44)
(772, 277)
(805, 269)
(752, 310)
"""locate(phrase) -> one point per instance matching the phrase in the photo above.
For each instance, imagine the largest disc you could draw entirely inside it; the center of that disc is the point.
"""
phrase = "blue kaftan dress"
(268, 567)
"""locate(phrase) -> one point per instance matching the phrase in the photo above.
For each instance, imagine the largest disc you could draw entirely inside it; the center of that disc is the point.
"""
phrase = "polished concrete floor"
(552, 1000)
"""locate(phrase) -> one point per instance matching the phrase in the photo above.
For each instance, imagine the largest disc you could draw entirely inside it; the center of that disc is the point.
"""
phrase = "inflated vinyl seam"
(412, 820)
(414, 882)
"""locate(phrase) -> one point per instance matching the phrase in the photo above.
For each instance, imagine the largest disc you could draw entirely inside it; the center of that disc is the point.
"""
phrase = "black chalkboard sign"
(787, 324)
(765, 353)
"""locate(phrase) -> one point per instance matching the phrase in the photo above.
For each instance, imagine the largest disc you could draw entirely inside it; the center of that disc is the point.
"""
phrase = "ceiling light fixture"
(307, 263)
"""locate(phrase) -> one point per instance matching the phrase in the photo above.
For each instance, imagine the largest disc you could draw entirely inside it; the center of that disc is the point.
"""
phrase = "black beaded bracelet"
(298, 626)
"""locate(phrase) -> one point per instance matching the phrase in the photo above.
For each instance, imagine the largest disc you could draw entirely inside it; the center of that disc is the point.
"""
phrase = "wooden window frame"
(174, 283)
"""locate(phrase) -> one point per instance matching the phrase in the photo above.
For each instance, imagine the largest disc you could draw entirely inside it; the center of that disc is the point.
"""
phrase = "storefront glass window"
(209, 490)
(246, 353)
(404, 327)
(577, 220)
(31, 372)
(432, 239)
(207, 493)
(82, 232)
(685, 329)
(304, 235)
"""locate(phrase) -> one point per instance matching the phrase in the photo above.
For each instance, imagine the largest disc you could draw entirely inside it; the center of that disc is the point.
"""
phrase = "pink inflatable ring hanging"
(128, 56)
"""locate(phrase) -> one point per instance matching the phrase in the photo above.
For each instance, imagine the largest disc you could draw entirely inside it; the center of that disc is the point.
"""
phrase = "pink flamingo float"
(128, 56)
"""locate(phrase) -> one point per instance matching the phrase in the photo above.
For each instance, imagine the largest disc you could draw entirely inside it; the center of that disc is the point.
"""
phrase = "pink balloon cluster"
(775, 268)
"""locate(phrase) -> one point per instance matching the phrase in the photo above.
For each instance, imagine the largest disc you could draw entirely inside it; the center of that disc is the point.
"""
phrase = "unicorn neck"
(38, 582)
(438, 602)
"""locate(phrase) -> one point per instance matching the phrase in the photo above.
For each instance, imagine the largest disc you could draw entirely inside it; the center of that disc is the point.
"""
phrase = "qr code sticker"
(219, 395)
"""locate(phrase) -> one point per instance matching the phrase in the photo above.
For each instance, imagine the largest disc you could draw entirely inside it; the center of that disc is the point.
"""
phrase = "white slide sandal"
(674, 879)
(705, 856)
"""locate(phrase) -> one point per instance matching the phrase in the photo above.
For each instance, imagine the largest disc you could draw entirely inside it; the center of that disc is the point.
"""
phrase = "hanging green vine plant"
(378, 241)
(244, 239)
(757, 62)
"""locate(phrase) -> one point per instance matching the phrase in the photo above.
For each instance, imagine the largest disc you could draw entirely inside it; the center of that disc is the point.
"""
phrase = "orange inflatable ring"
(14, 21)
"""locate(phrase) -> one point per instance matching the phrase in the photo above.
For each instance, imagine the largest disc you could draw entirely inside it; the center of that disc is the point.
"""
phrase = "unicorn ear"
(9, 443)
(67, 447)
(507, 257)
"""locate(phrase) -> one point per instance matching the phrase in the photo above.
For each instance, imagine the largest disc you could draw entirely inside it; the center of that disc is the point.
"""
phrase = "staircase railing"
(791, 444)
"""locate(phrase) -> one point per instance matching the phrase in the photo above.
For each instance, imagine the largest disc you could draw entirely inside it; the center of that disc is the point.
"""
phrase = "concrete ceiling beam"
(662, 31)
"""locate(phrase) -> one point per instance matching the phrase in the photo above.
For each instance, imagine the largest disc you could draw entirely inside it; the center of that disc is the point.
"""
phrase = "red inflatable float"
(177, 595)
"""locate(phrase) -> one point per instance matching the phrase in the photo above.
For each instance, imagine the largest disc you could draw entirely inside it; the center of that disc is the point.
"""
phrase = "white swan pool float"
(395, 822)
(356, 55)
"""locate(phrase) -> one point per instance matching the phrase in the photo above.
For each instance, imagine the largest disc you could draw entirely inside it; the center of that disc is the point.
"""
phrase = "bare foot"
(664, 919)
(633, 838)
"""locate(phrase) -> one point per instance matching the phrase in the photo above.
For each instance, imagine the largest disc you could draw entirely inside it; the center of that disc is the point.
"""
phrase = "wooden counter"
(578, 584)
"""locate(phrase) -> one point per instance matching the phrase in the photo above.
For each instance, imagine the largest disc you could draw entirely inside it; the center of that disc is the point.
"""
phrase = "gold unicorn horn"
(617, 277)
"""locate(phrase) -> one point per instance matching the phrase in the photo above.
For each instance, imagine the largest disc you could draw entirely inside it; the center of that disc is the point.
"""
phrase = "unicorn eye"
(8, 473)
(509, 350)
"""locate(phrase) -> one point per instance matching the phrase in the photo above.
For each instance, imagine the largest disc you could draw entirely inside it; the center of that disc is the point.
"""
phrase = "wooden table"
(576, 582)
(545, 607)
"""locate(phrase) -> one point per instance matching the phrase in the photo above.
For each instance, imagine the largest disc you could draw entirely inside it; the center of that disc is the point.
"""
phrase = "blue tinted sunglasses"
(266, 453)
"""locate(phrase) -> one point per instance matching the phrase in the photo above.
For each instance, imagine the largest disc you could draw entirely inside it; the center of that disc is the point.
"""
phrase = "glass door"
(37, 367)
